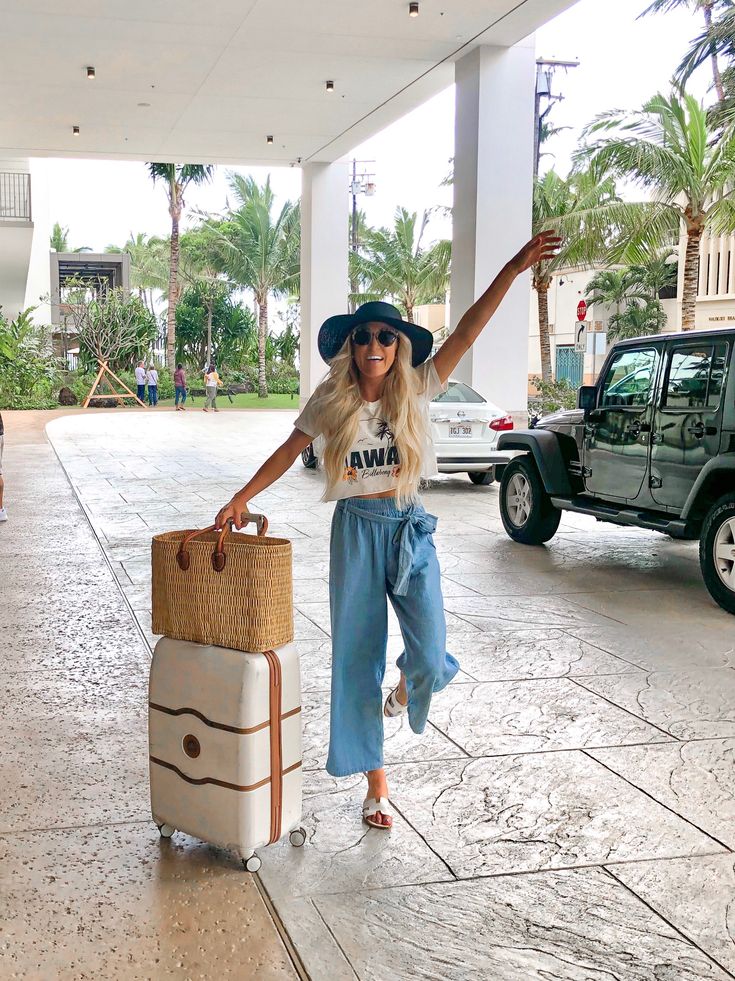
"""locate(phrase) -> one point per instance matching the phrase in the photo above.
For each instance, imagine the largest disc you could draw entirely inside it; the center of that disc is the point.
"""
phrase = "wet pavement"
(568, 812)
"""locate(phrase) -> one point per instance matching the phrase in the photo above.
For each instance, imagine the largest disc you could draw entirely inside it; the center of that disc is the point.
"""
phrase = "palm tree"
(394, 263)
(637, 320)
(176, 177)
(656, 271)
(148, 265)
(200, 262)
(671, 149)
(59, 240)
(707, 7)
(259, 250)
(586, 211)
(717, 41)
(613, 287)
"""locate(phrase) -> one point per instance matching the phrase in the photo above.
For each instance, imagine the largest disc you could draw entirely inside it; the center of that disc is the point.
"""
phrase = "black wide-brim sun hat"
(335, 331)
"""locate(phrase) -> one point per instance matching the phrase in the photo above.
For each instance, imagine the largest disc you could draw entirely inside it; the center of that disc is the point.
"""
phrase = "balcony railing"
(15, 197)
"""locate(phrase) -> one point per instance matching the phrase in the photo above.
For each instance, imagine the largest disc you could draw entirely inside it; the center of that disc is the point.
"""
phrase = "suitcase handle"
(219, 558)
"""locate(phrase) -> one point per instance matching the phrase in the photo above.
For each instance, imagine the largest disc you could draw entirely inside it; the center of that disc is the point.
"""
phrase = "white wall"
(24, 246)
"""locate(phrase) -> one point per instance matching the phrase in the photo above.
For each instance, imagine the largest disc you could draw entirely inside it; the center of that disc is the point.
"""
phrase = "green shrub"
(280, 378)
(554, 395)
(28, 373)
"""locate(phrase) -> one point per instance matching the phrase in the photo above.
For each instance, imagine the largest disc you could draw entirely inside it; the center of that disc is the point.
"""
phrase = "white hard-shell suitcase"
(225, 745)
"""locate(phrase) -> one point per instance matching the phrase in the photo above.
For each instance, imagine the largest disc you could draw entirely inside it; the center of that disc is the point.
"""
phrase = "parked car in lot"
(465, 428)
(652, 444)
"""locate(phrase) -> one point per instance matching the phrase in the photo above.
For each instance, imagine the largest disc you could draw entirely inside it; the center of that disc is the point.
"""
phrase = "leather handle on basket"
(219, 557)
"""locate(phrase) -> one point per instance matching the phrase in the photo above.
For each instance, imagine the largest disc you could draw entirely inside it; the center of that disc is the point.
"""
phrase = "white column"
(731, 265)
(324, 246)
(712, 271)
(493, 176)
(723, 248)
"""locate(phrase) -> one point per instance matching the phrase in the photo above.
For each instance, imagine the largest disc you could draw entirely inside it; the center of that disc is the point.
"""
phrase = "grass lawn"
(249, 401)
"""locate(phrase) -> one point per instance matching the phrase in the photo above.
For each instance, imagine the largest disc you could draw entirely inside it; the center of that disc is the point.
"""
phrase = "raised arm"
(541, 247)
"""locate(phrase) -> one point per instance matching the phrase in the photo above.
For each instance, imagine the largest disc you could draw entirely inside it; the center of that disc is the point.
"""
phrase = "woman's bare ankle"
(377, 784)
(402, 693)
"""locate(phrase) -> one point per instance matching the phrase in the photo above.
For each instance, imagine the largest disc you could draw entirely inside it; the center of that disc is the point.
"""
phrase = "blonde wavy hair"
(339, 403)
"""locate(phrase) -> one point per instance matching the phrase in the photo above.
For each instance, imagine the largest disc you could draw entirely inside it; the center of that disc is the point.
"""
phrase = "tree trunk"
(542, 289)
(691, 275)
(715, 66)
(173, 285)
(209, 331)
(262, 335)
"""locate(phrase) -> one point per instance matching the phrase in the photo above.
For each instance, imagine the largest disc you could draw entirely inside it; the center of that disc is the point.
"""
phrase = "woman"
(211, 383)
(180, 386)
(152, 379)
(372, 409)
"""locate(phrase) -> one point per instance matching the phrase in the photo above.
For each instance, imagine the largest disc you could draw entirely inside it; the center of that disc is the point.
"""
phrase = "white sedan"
(465, 429)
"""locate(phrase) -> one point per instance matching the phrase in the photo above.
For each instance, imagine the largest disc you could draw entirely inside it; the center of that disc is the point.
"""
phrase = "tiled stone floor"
(568, 813)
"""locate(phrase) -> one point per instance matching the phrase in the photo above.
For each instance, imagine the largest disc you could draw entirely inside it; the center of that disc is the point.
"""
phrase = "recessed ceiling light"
(75, 130)
(330, 86)
(413, 9)
(90, 72)
(269, 140)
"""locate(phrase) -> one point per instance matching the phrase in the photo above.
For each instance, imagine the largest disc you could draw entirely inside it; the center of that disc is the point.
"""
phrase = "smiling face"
(373, 360)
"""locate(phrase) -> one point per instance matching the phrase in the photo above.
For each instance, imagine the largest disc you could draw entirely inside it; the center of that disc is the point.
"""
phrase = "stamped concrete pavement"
(568, 812)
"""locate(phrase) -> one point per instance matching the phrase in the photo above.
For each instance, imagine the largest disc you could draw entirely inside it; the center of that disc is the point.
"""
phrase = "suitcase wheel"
(166, 830)
(297, 837)
(251, 864)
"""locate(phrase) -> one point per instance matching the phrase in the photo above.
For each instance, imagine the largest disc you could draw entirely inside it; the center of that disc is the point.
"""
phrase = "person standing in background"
(152, 379)
(211, 383)
(180, 386)
(140, 380)
(3, 515)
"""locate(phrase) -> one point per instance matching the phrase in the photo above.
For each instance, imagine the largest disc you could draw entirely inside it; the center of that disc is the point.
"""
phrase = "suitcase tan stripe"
(221, 783)
(221, 725)
(274, 664)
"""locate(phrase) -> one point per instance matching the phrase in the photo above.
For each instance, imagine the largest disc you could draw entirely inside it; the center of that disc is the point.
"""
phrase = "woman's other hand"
(232, 511)
(541, 248)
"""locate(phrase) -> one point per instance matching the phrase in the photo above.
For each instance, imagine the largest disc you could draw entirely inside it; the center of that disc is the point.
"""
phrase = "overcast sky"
(623, 62)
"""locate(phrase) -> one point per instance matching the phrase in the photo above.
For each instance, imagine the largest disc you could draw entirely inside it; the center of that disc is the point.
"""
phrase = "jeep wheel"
(717, 552)
(308, 458)
(525, 507)
(483, 478)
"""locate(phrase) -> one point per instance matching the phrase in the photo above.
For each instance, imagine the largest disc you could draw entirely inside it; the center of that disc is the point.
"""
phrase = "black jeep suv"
(652, 444)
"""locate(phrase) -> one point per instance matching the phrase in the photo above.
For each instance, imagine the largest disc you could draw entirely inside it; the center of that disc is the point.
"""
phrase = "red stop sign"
(581, 310)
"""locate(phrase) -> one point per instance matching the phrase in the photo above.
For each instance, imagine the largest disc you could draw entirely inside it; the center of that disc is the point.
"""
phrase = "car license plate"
(460, 430)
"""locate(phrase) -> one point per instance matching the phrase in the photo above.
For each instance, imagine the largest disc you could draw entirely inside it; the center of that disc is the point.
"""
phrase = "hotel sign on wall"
(730, 319)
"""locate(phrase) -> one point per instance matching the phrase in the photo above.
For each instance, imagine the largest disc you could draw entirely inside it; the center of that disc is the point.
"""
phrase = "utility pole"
(362, 183)
(545, 69)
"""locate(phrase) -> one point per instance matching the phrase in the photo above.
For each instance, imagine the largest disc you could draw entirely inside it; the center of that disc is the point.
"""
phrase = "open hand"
(541, 248)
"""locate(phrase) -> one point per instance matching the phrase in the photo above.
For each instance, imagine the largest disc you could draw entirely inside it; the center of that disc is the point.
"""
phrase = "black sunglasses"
(363, 336)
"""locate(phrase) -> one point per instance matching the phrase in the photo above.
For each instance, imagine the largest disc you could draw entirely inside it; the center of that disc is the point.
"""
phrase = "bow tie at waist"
(409, 525)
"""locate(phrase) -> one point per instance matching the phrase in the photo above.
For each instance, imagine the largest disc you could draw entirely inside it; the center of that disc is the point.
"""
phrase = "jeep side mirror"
(587, 398)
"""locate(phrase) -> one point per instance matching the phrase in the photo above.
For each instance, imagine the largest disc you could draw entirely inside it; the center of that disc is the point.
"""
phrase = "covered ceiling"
(210, 80)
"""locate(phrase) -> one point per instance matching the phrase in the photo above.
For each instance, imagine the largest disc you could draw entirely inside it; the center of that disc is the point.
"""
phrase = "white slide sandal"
(372, 806)
(392, 708)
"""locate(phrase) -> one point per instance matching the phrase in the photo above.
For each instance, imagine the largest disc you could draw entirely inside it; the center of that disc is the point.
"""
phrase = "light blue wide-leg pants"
(378, 552)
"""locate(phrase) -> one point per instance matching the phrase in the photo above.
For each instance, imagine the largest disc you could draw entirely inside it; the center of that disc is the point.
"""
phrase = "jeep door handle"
(636, 428)
(701, 430)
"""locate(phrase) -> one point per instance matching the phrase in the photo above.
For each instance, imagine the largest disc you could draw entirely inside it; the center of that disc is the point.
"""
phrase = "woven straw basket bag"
(223, 588)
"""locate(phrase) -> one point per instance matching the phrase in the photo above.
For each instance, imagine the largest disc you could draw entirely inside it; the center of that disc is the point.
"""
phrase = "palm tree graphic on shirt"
(384, 431)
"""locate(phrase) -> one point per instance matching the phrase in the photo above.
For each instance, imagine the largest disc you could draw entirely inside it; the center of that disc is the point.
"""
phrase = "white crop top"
(372, 464)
